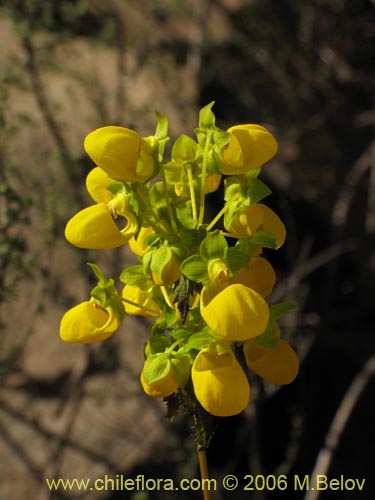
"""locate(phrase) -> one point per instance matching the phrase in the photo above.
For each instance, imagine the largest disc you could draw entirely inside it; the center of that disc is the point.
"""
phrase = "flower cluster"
(203, 282)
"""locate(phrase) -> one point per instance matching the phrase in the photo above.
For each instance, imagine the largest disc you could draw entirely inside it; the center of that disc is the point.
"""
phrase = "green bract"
(203, 288)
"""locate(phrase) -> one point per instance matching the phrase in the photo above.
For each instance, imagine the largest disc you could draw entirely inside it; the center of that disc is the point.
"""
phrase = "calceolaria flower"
(249, 147)
(204, 290)
(220, 383)
(121, 153)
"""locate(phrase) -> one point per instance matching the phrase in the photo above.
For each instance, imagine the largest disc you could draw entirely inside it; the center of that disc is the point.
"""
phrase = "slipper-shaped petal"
(250, 146)
(278, 365)
(249, 220)
(94, 228)
(220, 384)
(237, 313)
(160, 388)
(97, 182)
(259, 275)
(121, 153)
(88, 322)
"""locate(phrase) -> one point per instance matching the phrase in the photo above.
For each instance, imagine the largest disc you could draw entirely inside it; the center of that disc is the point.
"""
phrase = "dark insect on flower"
(183, 291)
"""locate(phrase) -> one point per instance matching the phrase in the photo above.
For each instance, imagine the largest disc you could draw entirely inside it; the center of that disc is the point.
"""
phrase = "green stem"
(135, 304)
(229, 235)
(164, 291)
(203, 179)
(192, 194)
(167, 200)
(218, 217)
(204, 473)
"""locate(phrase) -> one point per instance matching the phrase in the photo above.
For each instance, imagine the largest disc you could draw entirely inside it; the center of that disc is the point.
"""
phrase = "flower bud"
(161, 388)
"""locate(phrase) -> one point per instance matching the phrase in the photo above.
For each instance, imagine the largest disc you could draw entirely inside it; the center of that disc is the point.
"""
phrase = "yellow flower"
(249, 147)
(93, 227)
(237, 312)
(138, 245)
(160, 388)
(220, 384)
(278, 365)
(247, 221)
(120, 152)
(141, 297)
(259, 276)
(88, 322)
(96, 184)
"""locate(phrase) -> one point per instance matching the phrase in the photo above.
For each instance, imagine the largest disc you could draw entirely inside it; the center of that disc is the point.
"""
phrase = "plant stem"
(135, 304)
(167, 200)
(202, 460)
(192, 194)
(203, 179)
(218, 217)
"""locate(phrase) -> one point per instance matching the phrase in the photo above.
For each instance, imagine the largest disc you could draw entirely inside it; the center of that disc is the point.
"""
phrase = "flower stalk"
(205, 289)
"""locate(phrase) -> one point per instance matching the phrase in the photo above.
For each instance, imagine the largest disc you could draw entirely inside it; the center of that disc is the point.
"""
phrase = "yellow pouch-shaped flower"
(220, 384)
(138, 245)
(278, 365)
(249, 220)
(88, 322)
(161, 388)
(96, 184)
(121, 153)
(259, 276)
(141, 297)
(250, 146)
(236, 313)
(93, 227)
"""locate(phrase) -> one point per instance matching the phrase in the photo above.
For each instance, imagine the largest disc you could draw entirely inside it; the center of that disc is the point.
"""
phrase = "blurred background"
(305, 70)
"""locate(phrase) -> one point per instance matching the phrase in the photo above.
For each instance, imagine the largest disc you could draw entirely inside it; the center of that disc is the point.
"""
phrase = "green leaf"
(184, 215)
(195, 269)
(135, 276)
(160, 258)
(256, 191)
(157, 344)
(200, 340)
(207, 117)
(180, 365)
(99, 294)
(232, 188)
(156, 367)
(184, 150)
(214, 246)
(268, 337)
(278, 310)
(236, 259)
(97, 271)
(115, 187)
(265, 239)
(162, 127)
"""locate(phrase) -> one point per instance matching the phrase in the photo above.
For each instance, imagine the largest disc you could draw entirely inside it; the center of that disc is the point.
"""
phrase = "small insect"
(183, 293)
